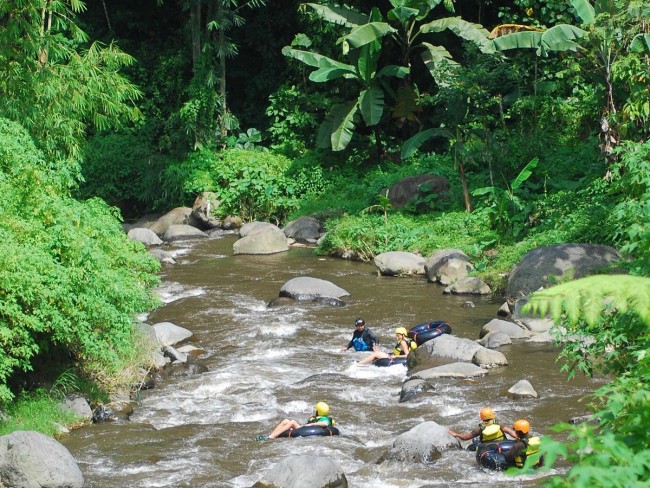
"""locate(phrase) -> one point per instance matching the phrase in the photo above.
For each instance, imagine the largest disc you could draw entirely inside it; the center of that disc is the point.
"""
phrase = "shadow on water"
(266, 364)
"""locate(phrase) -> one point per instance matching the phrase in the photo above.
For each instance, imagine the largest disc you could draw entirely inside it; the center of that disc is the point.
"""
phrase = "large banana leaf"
(413, 144)
(406, 104)
(474, 33)
(315, 59)
(393, 70)
(339, 15)
(640, 44)
(558, 38)
(337, 129)
(371, 104)
(433, 56)
(367, 56)
(364, 34)
(524, 174)
(326, 74)
(402, 14)
(585, 11)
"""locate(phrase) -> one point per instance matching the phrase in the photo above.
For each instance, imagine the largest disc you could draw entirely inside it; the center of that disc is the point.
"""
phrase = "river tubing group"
(494, 451)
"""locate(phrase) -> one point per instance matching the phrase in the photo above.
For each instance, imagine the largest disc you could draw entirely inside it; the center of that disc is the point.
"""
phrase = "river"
(266, 364)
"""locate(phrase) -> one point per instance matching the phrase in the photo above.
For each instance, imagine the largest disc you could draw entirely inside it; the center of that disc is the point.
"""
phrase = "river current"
(266, 364)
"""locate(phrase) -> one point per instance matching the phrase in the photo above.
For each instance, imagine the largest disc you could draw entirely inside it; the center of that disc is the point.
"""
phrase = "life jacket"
(491, 432)
(532, 447)
(397, 350)
(359, 343)
(313, 419)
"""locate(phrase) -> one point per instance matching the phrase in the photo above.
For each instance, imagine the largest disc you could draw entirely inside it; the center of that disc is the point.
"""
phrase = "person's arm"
(514, 451)
(507, 430)
(349, 345)
(373, 338)
(463, 437)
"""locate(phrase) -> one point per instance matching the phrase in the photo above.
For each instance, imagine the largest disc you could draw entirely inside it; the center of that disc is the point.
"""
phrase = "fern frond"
(587, 298)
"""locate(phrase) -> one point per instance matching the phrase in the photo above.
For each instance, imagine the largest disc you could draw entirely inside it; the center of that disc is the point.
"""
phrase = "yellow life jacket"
(397, 350)
(491, 432)
(532, 447)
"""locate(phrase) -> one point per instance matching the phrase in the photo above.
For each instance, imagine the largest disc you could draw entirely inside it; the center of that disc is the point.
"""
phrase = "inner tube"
(309, 431)
(490, 455)
(422, 333)
(389, 361)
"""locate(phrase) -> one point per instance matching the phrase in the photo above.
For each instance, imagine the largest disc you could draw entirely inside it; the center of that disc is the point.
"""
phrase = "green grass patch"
(38, 411)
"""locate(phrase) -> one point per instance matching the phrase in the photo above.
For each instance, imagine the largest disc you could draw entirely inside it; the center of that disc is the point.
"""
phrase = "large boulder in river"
(447, 266)
(469, 285)
(176, 216)
(254, 226)
(414, 188)
(32, 460)
(263, 240)
(304, 229)
(169, 334)
(177, 232)
(424, 443)
(306, 288)
(145, 236)
(545, 266)
(399, 263)
(304, 472)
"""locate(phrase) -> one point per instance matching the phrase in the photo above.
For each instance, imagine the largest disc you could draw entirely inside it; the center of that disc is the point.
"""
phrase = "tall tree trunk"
(195, 25)
(222, 79)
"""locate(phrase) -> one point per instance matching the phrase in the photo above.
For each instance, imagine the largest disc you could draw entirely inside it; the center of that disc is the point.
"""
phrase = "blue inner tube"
(389, 361)
(490, 455)
(422, 333)
(309, 431)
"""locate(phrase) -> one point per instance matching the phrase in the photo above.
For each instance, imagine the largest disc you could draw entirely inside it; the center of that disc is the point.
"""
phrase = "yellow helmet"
(522, 425)
(401, 330)
(487, 413)
(322, 409)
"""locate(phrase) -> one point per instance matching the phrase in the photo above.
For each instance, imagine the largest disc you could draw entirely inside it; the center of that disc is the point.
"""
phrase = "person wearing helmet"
(488, 430)
(320, 418)
(524, 446)
(402, 348)
(362, 339)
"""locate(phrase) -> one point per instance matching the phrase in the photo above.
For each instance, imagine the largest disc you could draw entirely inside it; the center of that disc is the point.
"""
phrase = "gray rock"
(178, 215)
(304, 229)
(307, 288)
(513, 330)
(469, 285)
(453, 370)
(489, 358)
(424, 443)
(32, 460)
(414, 387)
(522, 389)
(545, 266)
(399, 263)
(176, 232)
(493, 340)
(438, 258)
(304, 472)
(78, 406)
(533, 323)
(145, 236)
(264, 240)
(413, 187)
(169, 334)
(250, 227)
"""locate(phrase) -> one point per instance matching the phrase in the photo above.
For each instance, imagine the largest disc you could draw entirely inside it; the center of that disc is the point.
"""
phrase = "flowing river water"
(266, 364)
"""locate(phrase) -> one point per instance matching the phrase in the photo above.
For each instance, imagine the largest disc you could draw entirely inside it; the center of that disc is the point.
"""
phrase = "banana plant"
(363, 49)
(362, 45)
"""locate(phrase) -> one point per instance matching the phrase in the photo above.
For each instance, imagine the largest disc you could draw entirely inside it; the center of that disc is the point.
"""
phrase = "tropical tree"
(54, 86)
(616, 42)
(363, 44)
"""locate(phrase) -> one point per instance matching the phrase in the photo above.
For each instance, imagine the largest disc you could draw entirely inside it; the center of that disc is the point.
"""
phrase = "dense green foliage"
(541, 131)
(68, 276)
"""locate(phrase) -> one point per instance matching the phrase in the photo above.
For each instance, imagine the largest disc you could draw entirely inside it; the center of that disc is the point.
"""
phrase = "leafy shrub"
(122, 168)
(69, 277)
